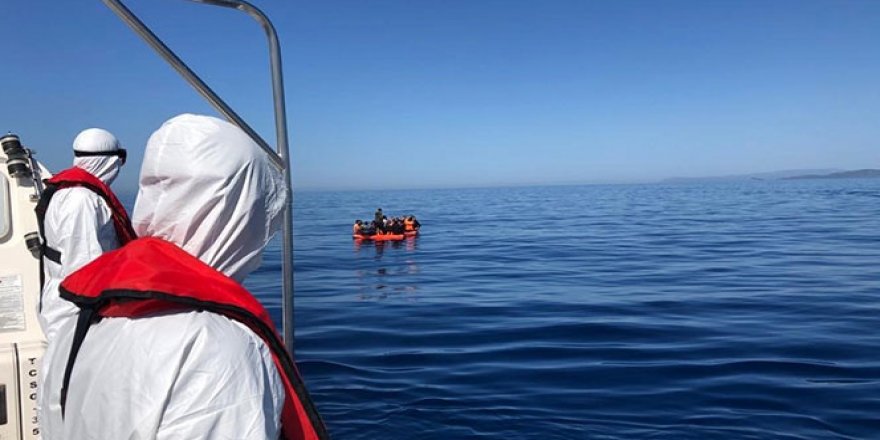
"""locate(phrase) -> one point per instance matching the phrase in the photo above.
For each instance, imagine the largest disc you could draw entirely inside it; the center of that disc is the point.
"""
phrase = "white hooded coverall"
(78, 224)
(208, 188)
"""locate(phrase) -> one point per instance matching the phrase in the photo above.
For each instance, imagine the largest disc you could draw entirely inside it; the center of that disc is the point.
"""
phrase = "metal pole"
(168, 55)
(283, 151)
(281, 158)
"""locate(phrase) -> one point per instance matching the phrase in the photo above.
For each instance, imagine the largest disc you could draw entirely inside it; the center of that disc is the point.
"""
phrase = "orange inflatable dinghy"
(379, 237)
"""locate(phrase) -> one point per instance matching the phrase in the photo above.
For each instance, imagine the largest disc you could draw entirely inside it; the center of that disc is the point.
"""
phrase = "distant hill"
(774, 175)
(856, 174)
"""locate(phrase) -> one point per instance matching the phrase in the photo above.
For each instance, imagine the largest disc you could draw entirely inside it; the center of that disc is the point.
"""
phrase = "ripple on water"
(743, 311)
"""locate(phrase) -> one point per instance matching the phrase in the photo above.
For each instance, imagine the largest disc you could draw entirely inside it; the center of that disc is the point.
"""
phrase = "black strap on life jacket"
(46, 251)
(87, 315)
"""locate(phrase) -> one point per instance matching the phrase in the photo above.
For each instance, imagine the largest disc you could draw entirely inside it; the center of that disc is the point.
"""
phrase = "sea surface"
(690, 311)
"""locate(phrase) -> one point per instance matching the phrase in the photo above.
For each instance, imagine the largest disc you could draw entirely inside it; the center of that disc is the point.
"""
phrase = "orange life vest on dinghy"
(151, 275)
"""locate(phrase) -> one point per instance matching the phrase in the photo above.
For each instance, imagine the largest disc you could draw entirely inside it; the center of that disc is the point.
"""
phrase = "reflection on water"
(389, 263)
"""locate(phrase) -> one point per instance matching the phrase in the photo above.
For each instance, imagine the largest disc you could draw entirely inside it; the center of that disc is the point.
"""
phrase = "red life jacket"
(77, 177)
(150, 275)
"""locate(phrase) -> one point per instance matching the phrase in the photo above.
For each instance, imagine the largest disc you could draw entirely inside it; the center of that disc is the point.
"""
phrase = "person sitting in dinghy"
(368, 229)
(411, 224)
(397, 226)
(170, 345)
(79, 218)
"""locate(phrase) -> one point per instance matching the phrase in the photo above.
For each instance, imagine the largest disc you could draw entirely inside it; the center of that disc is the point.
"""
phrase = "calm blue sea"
(691, 311)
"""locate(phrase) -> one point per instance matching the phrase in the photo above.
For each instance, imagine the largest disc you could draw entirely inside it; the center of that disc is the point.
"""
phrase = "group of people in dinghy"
(384, 228)
(150, 333)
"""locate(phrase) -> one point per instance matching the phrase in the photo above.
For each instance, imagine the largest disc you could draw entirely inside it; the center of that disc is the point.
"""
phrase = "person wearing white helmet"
(80, 218)
(170, 345)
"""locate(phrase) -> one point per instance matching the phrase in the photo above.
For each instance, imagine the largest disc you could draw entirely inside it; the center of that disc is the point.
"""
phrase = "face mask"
(104, 167)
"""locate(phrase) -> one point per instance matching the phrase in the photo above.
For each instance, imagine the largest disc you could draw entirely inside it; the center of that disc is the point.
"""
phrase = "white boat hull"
(21, 339)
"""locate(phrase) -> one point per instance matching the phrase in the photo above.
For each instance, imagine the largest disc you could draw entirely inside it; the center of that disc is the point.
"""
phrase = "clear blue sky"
(384, 94)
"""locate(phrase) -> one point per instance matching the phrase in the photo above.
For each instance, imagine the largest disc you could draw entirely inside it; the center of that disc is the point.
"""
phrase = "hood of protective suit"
(208, 188)
(97, 140)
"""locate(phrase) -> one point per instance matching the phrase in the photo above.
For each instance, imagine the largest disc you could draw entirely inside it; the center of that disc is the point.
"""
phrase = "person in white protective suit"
(209, 202)
(80, 219)
(78, 223)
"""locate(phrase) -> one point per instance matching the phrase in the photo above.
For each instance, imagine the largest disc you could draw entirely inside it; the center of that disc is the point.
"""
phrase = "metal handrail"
(280, 158)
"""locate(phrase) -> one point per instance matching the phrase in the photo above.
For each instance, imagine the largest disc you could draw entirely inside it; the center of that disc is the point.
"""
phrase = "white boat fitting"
(21, 339)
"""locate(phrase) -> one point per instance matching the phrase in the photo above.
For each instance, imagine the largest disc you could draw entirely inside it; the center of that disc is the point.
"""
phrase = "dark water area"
(726, 310)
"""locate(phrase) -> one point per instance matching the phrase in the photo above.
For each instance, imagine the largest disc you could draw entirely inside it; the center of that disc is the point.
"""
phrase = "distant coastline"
(868, 173)
(804, 174)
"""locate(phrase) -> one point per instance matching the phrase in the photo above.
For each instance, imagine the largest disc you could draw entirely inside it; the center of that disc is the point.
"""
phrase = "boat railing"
(280, 155)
